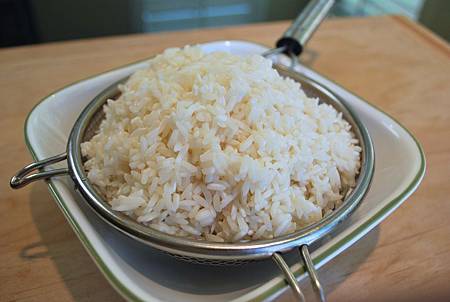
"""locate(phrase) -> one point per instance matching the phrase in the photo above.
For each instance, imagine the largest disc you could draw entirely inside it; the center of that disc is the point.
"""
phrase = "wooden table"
(390, 61)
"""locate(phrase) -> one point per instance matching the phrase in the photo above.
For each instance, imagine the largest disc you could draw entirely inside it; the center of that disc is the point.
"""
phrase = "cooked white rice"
(220, 147)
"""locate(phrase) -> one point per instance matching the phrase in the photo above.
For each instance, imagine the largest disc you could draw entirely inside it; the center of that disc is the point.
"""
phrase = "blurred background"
(25, 22)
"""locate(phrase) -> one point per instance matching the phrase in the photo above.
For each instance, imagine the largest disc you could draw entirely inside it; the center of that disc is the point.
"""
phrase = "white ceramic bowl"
(139, 272)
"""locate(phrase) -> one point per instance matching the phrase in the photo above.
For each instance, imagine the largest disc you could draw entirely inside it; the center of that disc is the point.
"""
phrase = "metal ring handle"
(297, 35)
(292, 281)
(23, 176)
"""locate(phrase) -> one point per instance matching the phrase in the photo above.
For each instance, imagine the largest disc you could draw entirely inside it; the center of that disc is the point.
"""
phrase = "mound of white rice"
(220, 147)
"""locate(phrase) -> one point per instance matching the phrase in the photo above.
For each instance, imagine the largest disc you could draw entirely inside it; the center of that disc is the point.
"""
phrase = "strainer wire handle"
(23, 176)
(289, 276)
(309, 265)
(292, 280)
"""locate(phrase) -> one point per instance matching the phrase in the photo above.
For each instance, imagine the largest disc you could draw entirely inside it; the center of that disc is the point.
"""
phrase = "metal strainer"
(211, 253)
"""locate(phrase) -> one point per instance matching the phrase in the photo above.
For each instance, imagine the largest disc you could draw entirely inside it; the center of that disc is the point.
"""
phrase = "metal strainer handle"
(292, 280)
(298, 34)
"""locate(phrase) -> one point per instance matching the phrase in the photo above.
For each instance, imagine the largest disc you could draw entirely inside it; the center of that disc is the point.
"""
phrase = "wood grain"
(390, 61)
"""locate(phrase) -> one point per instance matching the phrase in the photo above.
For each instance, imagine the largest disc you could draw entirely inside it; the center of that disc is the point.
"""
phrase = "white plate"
(139, 272)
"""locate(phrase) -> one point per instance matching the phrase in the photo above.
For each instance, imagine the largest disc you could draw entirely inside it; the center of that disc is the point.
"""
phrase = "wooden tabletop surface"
(390, 61)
